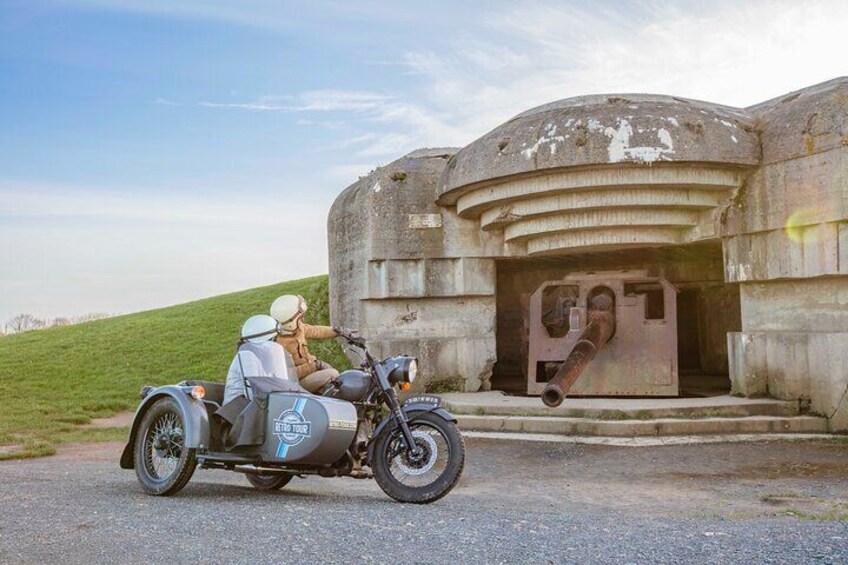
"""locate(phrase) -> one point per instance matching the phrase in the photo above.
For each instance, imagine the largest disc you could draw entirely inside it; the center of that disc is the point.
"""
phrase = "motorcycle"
(357, 426)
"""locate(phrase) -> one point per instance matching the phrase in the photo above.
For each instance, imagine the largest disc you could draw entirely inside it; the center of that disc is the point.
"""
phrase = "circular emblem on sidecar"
(291, 427)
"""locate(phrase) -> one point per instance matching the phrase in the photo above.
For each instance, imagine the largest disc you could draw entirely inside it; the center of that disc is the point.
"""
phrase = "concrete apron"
(644, 441)
(627, 418)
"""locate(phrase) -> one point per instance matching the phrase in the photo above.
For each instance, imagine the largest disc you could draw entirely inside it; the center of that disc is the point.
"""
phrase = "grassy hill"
(54, 381)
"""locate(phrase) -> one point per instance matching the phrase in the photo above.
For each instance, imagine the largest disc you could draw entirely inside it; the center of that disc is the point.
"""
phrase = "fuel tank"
(308, 429)
(351, 385)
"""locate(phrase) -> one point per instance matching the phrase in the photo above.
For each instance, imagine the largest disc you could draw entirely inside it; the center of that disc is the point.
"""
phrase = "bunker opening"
(649, 322)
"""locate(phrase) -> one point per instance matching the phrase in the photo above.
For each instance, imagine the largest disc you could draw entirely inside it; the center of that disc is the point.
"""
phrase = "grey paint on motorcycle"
(307, 429)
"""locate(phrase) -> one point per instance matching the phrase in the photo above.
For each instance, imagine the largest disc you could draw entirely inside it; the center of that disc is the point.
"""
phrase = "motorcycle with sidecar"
(357, 427)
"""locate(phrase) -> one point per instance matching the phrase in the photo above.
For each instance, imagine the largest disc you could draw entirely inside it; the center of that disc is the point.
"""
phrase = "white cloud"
(725, 52)
(335, 100)
(310, 101)
(357, 140)
(348, 173)
(522, 55)
(329, 124)
(253, 106)
(388, 144)
(267, 14)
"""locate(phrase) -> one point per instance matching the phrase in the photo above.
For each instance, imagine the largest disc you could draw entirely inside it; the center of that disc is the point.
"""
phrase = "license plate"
(423, 399)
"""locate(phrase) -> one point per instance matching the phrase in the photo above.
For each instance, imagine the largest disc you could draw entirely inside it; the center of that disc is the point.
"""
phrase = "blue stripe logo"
(291, 428)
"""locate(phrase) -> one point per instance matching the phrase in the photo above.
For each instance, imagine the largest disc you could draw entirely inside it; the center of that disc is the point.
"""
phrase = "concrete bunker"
(743, 211)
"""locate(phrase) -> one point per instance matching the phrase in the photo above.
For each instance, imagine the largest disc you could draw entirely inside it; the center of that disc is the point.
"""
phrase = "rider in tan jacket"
(313, 373)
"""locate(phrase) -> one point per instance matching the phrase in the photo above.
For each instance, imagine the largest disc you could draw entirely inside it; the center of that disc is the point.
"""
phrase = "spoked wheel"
(268, 482)
(162, 463)
(428, 475)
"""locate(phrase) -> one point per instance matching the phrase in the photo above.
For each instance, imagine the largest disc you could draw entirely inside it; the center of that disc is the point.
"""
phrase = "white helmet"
(259, 328)
(288, 309)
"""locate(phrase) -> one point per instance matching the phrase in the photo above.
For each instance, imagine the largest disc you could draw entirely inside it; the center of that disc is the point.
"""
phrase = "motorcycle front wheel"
(427, 476)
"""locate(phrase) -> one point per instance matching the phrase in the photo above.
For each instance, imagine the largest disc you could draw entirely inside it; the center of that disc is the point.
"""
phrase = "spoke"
(167, 433)
(423, 472)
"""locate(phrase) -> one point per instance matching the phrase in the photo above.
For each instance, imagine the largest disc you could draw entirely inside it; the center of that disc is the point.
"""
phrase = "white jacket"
(266, 359)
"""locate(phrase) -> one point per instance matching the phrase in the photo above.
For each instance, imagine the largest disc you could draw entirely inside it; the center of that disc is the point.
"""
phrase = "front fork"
(395, 406)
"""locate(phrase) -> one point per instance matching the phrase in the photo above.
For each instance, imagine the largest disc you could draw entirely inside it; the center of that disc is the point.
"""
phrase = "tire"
(161, 437)
(267, 482)
(385, 461)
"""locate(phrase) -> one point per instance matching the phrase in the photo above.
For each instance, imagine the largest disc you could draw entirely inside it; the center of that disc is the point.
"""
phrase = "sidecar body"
(278, 428)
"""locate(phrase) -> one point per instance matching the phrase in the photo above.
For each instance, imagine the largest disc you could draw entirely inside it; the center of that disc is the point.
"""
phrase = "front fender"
(194, 415)
(412, 412)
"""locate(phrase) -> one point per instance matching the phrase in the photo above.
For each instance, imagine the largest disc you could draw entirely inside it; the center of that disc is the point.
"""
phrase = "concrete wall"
(411, 275)
(785, 236)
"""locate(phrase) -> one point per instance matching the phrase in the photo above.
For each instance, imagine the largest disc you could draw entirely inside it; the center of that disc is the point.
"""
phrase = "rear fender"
(194, 415)
(412, 411)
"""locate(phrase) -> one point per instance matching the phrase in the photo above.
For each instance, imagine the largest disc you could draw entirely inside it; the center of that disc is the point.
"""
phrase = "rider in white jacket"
(258, 356)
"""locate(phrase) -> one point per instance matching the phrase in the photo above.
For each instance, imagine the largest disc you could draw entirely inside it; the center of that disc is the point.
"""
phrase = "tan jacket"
(297, 347)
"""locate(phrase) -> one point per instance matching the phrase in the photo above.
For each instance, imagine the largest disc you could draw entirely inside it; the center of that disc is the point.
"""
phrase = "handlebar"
(352, 339)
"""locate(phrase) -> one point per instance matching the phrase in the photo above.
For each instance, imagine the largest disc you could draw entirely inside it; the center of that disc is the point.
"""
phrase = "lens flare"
(802, 225)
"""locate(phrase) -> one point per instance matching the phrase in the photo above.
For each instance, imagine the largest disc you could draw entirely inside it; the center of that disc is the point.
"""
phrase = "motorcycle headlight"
(405, 369)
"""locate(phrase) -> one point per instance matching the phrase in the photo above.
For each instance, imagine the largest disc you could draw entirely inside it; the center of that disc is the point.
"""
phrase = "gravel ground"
(517, 502)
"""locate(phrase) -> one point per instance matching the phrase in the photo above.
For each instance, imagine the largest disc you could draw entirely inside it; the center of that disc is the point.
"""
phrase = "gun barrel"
(598, 331)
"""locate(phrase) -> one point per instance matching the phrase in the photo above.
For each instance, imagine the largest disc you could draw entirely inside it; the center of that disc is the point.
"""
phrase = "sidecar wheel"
(432, 474)
(268, 482)
(162, 463)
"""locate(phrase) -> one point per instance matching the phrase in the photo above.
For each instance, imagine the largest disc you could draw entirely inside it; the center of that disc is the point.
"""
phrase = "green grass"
(55, 380)
(828, 512)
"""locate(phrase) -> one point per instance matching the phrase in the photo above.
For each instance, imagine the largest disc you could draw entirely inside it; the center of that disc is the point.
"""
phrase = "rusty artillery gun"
(602, 334)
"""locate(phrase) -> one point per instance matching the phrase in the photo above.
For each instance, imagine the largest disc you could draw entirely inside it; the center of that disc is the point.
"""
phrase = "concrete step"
(495, 403)
(646, 441)
(646, 428)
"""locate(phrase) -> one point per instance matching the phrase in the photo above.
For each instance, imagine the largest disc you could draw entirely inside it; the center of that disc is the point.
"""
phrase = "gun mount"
(602, 334)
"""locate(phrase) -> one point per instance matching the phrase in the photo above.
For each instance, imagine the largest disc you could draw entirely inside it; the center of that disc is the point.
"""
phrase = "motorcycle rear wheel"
(267, 482)
(163, 464)
(431, 475)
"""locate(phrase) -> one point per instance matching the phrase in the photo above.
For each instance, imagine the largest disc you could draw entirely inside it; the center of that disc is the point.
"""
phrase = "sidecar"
(281, 432)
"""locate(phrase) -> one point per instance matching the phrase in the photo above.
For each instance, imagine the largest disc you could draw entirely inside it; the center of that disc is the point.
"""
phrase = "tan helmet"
(288, 310)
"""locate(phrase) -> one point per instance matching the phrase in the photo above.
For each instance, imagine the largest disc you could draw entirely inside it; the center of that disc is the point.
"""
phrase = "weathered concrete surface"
(417, 248)
(607, 206)
(631, 417)
(636, 428)
(603, 130)
(786, 239)
(401, 268)
(499, 404)
(809, 366)
(812, 305)
(647, 441)
(804, 122)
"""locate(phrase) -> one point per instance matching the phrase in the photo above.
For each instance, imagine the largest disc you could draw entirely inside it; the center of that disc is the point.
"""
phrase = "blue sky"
(156, 151)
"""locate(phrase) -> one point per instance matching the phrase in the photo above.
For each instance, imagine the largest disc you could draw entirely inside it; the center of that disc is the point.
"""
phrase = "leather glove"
(347, 331)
